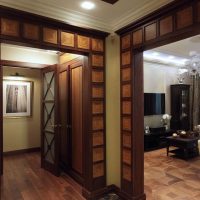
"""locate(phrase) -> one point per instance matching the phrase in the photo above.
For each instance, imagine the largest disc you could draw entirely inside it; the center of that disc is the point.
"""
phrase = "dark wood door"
(76, 80)
(64, 113)
(50, 120)
(71, 100)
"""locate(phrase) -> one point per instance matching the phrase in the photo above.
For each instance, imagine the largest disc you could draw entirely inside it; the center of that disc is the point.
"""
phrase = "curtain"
(195, 102)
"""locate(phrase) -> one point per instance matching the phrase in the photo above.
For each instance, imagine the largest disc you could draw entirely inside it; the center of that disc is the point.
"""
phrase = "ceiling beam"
(110, 1)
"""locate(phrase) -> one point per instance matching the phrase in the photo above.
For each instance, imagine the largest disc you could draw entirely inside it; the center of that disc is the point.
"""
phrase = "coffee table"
(186, 147)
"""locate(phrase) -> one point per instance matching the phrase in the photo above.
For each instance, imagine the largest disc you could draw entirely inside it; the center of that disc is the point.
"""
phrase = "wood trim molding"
(26, 65)
(173, 22)
(22, 151)
(63, 37)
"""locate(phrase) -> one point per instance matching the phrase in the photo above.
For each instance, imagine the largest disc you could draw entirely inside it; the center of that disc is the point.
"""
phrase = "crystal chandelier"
(193, 65)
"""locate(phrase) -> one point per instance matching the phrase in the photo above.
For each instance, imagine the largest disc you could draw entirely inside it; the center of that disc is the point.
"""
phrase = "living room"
(171, 120)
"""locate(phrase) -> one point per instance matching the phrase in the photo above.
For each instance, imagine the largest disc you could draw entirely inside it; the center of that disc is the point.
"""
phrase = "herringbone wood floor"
(169, 178)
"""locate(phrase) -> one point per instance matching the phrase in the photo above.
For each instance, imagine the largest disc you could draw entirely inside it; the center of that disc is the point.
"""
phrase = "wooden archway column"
(26, 29)
(175, 21)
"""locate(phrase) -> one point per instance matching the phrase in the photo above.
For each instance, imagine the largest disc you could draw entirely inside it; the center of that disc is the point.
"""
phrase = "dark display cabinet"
(180, 107)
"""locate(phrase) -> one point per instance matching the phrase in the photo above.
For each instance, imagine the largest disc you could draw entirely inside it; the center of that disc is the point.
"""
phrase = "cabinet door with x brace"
(50, 126)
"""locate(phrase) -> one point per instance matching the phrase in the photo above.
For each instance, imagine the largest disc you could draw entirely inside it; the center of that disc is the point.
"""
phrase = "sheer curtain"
(195, 102)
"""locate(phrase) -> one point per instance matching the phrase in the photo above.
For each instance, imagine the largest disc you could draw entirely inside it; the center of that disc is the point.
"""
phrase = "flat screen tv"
(154, 103)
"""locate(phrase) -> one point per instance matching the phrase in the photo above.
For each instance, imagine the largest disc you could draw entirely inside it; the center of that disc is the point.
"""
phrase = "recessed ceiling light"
(155, 54)
(171, 57)
(88, 5)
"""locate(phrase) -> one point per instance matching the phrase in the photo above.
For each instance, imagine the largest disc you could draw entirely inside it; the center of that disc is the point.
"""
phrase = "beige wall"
(157, 79)
(113, 109)
(24, 133)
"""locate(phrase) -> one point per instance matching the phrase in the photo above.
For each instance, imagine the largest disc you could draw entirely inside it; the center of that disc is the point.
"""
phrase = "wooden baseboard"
(21, 151)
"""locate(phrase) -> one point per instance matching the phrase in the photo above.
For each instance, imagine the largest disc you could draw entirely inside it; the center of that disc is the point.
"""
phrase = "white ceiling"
(174, 54)
(105, 17)
(181, 48)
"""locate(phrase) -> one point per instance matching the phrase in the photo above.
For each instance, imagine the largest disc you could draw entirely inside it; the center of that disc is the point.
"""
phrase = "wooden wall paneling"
(31, 31)
(184, 17)
(150, 31)
(50, 35)
(126, 112)
(137, 37)
(166, 25)
(97, 76)
(97, 60)
(97, 45)
(98, 170)
(198, 11)
(98, 154)
(126, 74)
(173, 22)
(67, 39)
(83, 42)
(98, 138)
(57, 35)
(10, 27)
(97, 91)
(126, 41)
(126, 58)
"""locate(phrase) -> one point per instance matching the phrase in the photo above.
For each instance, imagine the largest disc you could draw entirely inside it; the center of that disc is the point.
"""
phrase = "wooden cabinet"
(180, 107)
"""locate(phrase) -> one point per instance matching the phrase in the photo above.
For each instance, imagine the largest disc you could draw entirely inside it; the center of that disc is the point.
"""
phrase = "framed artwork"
(17, 97)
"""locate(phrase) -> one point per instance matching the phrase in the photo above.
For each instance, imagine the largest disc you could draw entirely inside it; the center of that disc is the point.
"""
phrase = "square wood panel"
(127, 173)
(67, 39)
(98, 154)
(126, 107)
(126, 156)
(83, 42)
(97, 76)
(98, 170)
(126, 58)
(98, 138)
(50, 35)
(97, 107)
(126, 74)
(166, 25)
(126, 41)
(97, 123)
(184, 18)
(127, 140)
(97, 61)
(97, 45)
(151, 32)
(126, 123)
(137, 37)
(31, 31)
(97, 92)
(126, 90)
(9, 27)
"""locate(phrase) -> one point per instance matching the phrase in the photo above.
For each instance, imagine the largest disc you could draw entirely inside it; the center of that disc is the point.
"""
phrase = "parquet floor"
(166, 178)
(23, 179)
(169, 178)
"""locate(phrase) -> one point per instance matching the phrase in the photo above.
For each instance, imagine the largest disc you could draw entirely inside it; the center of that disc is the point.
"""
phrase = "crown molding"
(81, 19)
(133, 15)
(52, 11)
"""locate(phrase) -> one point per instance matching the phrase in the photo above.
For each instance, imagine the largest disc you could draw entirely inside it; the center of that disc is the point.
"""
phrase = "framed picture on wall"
(17, 97)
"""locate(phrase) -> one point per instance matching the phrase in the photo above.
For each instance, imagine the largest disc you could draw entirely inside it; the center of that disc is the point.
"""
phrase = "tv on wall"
(154, 103)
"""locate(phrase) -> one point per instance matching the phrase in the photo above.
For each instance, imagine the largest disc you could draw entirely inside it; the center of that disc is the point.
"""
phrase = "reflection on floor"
(168, 178)
(23, 179)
